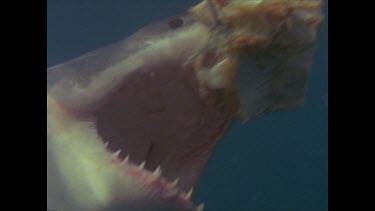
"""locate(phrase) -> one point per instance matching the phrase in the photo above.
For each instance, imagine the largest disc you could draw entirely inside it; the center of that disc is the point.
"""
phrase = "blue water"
(279, 162)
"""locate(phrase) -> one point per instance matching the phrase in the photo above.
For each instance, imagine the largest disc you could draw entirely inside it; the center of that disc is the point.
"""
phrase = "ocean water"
(278, 162)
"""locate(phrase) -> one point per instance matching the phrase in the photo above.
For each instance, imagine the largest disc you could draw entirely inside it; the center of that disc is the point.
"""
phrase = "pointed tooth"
(125, 161)
(174, 183)
(117, 153)
(142, 165)
(157, 172)
(106, 144)
(188, 195)
(200, 207)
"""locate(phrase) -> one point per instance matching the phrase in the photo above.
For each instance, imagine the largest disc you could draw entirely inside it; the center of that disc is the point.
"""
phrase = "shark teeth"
(170, 189)
(188, 195)
(157, 172)
(174, 183)
(140, 167)
(116, 154)
(125, 161)
(200, 207)
(157, 184)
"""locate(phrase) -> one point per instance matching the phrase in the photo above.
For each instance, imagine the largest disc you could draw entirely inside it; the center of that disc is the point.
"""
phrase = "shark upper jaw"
(165, 99)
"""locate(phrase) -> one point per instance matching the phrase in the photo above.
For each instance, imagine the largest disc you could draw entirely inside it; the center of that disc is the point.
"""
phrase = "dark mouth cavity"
(159, 117)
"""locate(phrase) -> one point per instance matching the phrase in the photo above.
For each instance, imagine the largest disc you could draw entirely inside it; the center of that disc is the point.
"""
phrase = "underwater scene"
(152, 107)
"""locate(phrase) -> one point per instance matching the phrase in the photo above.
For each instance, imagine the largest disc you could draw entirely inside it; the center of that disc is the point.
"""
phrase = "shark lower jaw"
(95, 177)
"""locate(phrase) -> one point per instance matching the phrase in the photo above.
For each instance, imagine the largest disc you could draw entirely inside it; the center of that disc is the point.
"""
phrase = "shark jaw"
(155, 134)
(131, 126)
(97, 177)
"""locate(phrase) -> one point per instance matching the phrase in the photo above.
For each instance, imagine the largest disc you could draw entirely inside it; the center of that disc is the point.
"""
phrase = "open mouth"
(158, 118)
(159, 129)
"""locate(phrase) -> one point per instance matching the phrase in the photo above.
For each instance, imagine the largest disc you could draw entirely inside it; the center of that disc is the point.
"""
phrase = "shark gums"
(131, 126)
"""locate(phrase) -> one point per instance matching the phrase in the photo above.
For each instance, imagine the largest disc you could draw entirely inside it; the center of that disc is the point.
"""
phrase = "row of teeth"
(157, 174)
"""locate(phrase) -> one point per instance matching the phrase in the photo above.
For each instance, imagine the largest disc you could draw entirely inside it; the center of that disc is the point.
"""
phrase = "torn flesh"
(131, 126)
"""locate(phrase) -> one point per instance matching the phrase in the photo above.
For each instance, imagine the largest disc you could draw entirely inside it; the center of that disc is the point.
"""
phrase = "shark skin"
(132, 125)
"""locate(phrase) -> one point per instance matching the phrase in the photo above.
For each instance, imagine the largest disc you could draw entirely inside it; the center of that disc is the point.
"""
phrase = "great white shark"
(132, 125)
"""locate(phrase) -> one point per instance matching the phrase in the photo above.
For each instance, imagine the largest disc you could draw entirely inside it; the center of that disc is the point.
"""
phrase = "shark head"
(132, 125)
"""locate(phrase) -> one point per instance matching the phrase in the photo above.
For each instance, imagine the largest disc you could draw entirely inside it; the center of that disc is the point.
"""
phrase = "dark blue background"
(279, 162)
